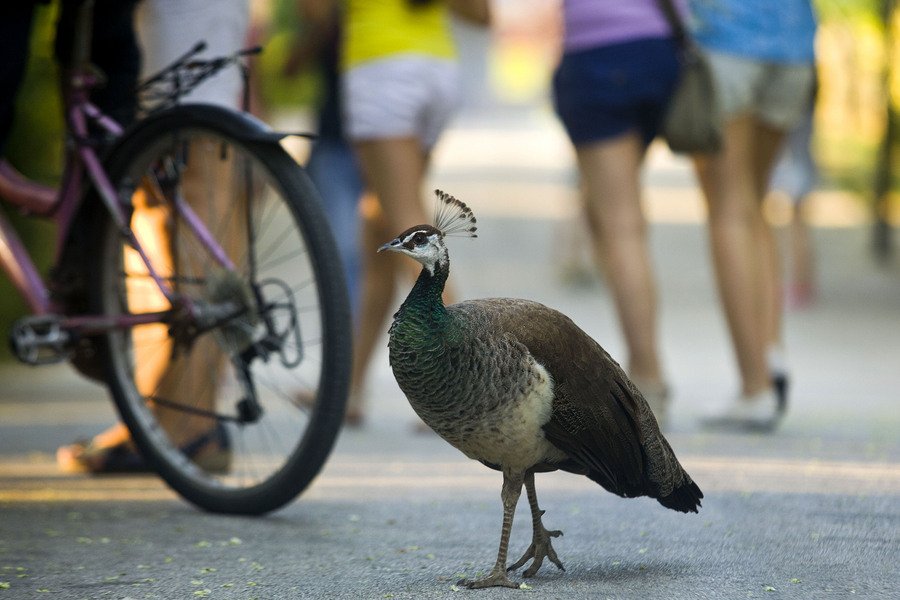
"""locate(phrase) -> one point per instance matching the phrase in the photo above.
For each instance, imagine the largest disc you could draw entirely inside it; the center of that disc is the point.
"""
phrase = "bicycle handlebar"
(198, 48)
(181, 76)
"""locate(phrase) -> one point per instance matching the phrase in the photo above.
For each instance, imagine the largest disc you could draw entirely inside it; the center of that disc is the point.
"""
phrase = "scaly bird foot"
(497, 578)
(539, 549)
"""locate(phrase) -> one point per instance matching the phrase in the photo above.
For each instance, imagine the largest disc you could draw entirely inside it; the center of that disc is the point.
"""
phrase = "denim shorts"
(778, 94)
(601, 93)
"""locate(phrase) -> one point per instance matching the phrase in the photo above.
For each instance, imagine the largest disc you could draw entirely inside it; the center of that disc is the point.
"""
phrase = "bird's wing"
(596, 410)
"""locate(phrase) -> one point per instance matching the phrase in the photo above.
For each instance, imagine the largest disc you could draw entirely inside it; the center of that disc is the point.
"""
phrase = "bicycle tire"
(257, 401)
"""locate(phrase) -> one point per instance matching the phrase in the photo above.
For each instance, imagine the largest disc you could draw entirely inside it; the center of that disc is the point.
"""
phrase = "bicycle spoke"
(248, 309)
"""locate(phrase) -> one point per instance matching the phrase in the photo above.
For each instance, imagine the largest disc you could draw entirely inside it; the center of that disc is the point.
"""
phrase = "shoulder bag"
(692, 124)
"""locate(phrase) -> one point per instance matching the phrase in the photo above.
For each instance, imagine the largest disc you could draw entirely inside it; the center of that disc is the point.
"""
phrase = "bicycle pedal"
(39, 340)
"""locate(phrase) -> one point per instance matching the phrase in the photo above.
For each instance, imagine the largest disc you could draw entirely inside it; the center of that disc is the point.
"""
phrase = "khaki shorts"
(778, 94)
(400, 96)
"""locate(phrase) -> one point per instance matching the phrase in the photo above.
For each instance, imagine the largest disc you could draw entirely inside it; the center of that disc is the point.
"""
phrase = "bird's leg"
(540, 547)
(512, 489)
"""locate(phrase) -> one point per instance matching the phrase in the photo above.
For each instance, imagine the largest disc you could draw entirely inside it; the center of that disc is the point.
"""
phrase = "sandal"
(211, 451)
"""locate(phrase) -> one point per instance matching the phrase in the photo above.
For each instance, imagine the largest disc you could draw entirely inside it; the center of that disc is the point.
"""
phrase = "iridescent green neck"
(424, 305)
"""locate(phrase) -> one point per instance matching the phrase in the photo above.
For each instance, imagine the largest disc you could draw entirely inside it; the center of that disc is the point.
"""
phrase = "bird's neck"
(424, 302)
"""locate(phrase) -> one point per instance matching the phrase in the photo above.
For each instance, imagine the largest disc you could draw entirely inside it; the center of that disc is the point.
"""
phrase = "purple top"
(592, 23)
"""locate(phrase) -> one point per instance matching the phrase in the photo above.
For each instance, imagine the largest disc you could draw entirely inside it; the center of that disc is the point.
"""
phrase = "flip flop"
(211, 451)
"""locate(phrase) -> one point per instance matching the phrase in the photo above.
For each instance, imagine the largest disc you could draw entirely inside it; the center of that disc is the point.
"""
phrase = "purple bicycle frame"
(15, 259)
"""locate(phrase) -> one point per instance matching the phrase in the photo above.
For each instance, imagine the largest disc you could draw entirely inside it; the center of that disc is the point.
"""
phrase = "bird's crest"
(452, 216)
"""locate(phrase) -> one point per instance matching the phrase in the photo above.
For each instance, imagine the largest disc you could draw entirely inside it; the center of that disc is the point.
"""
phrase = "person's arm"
(473, 11)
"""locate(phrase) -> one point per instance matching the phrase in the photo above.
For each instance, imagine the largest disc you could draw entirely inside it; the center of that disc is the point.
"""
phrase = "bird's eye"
(420, 238)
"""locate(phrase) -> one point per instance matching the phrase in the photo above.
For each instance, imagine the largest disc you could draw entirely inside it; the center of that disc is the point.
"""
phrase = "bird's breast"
(478, 388)
(494, 414)
(511, 434)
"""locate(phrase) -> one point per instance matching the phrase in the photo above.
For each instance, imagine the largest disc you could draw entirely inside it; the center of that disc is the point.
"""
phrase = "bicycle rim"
(237, 397)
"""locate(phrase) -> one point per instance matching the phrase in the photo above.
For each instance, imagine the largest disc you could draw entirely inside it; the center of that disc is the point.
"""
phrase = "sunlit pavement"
(811, 511)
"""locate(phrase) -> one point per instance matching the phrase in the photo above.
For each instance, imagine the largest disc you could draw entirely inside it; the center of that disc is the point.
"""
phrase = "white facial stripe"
(428, 250)
(408, 240)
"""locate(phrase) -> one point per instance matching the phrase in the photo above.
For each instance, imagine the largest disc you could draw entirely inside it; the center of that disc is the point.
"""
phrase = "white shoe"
(759, 412)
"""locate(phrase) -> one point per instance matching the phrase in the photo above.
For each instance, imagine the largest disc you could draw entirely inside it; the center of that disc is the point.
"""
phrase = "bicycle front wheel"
(236, 392)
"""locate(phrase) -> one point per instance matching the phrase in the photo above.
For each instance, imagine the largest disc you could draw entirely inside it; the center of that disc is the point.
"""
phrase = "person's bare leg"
(728, 181)
(215, 190)
(768, 143)
(394, 171)
(151, 343)
(377, 295)
(803, 272)
(611, 176)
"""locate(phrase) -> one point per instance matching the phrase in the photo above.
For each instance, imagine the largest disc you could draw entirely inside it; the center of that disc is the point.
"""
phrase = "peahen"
(521, 388)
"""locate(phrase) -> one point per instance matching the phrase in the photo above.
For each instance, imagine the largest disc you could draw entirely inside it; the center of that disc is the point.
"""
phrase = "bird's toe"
(540, 548)
(533, 569)
(495, 579)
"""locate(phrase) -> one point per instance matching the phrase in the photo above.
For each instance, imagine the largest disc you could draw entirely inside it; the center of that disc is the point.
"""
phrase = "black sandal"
(211, 451)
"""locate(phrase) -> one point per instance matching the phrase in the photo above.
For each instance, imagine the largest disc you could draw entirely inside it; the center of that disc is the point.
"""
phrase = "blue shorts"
(601, 93)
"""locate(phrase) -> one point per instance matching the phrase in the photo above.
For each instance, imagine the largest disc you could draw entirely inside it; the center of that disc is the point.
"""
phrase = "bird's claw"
(540, 548)
(495, 579)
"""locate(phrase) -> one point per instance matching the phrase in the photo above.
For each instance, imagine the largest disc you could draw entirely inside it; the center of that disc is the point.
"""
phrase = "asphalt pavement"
(810, 511)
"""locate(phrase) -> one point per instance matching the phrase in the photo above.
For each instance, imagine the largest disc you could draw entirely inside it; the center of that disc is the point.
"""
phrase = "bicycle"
(196, 276)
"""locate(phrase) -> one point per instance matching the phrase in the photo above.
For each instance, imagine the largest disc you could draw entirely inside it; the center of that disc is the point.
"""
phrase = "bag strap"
(675, 22)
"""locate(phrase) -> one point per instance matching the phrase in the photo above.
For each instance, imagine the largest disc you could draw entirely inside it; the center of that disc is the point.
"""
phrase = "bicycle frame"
(82, 161)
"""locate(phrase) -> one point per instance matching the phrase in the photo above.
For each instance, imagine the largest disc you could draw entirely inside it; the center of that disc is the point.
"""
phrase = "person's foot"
(420, 428)
(778, 375)
(111, 452)
(88, 456)
(799, 296)
(354, 415)
(354, 418)
(781, 384)
(759, 412)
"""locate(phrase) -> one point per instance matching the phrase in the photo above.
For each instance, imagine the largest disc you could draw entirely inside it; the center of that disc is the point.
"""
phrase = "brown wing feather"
(599, 419)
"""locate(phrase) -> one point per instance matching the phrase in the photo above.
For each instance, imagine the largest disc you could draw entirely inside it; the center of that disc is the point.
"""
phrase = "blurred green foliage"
(280, 92)
(36, 143)
(35, 147)
(848, 9)
(858, 49)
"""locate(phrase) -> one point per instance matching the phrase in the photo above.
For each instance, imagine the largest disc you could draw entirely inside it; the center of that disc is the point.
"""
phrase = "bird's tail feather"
(685, 498)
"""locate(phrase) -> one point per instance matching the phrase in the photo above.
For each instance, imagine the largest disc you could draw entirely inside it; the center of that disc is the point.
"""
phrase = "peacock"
(522, 389)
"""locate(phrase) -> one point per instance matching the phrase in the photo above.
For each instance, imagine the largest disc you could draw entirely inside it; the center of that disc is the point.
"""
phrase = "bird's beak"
(394, 244)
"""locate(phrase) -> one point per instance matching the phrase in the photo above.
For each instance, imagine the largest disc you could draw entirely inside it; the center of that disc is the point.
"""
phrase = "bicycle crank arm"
(249, 410)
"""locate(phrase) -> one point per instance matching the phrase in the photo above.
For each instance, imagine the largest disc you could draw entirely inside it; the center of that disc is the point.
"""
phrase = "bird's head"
(425, 243)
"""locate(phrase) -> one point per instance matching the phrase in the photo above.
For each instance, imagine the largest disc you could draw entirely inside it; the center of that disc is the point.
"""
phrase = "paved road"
(812, 511)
